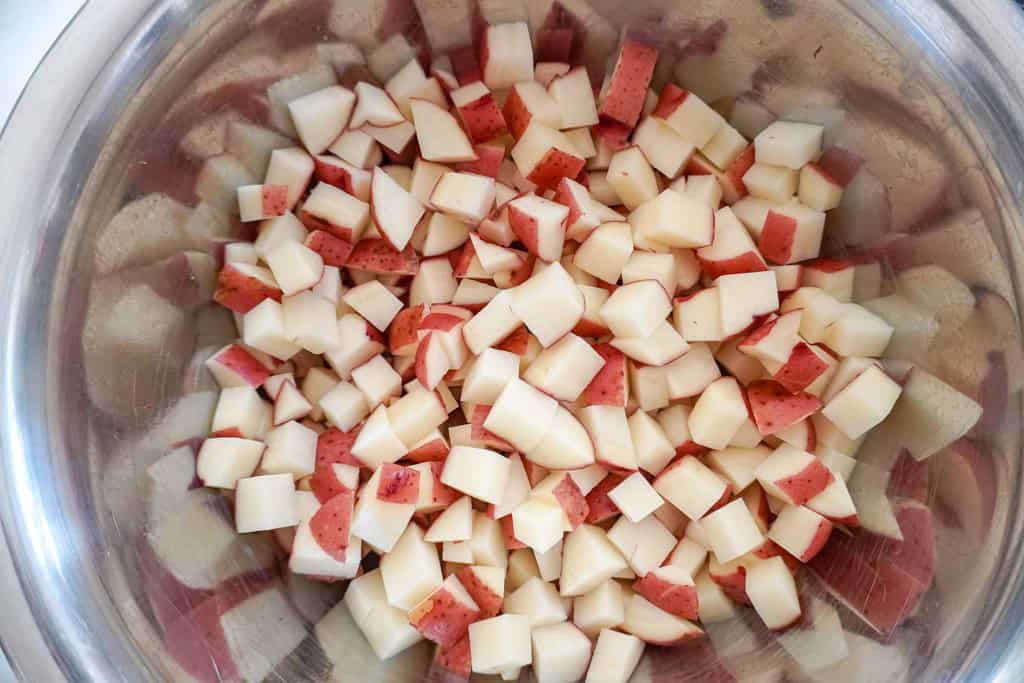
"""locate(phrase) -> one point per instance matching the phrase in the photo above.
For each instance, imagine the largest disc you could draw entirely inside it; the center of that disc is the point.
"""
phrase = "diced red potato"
(665, 149)
(352, 179)
(808, 368)
(774, 340)
(732, 250)
(529, 102)
(506, 55)
(688, 115)
(535, 318)
(692, 487)
(445, 615)
(772, 592)
(544, 156)
(718, 414)
(800, 531)
(479, 111)
(539, 225)
(744, 298)
(792, 475)
(789, 144)
(848, 564)
(791, 233)
(609, 432)
(656, 626)
(672, 219)
(616, 656)
(622, 99)
(775, 409)
(632, 178)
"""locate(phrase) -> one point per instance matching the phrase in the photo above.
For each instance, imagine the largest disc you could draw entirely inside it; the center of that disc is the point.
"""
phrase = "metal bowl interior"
(130, 101)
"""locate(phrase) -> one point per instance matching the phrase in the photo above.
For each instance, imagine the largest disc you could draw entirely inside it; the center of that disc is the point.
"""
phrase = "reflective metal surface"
(136, 93)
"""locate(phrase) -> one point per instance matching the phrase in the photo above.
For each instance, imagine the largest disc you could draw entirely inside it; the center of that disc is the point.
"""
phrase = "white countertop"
(27, 29)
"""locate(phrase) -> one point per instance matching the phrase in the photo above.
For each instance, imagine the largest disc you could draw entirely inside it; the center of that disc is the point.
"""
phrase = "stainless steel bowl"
(931, 94)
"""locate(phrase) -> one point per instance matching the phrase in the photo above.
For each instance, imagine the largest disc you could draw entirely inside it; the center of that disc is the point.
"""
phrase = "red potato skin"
(522, 273)
(677, 599)
(466, 66)
(801, 368)
(516, 114)
(810, 441)
(518, 342)
(569, 496)
(608, 387)
(402, 333)
(534, 472)
(838, 165)
(747, 262)
(448, 309)
(461, 259)
(774, 408)
(554, 44)
(441, 618)
(422, 375)
(614, 134)
(335, 446)
(690, 448)
(333, 250)
(599, 506)
(483, 118)
(486, 599)
(398, 484)
(759, 333)
(777, 236)
(334, 175)
(915, 554)
(627, 90)
(443, 494)
(564, 196)
(440, 322)
(553, 166)
(909, 478)
(826, 265)
(733, 584)
(694, 661)
(331, 524)
(240, 293)
(481, 433)
(451, 661)
(432, 451)
(325, 484)
(881, 578)
(274, 200)
(508, 532)
(818, 541)
(373, 335)
(487, 163)
(756, 501)
(589, 328)
(227, 432)
(726, 497)
(670, 99)
(376, 256)
(734, 174)
(195, 640)
(807, 483)
(243, 364)
(770, 549)
(313, 223)
(525, 228)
